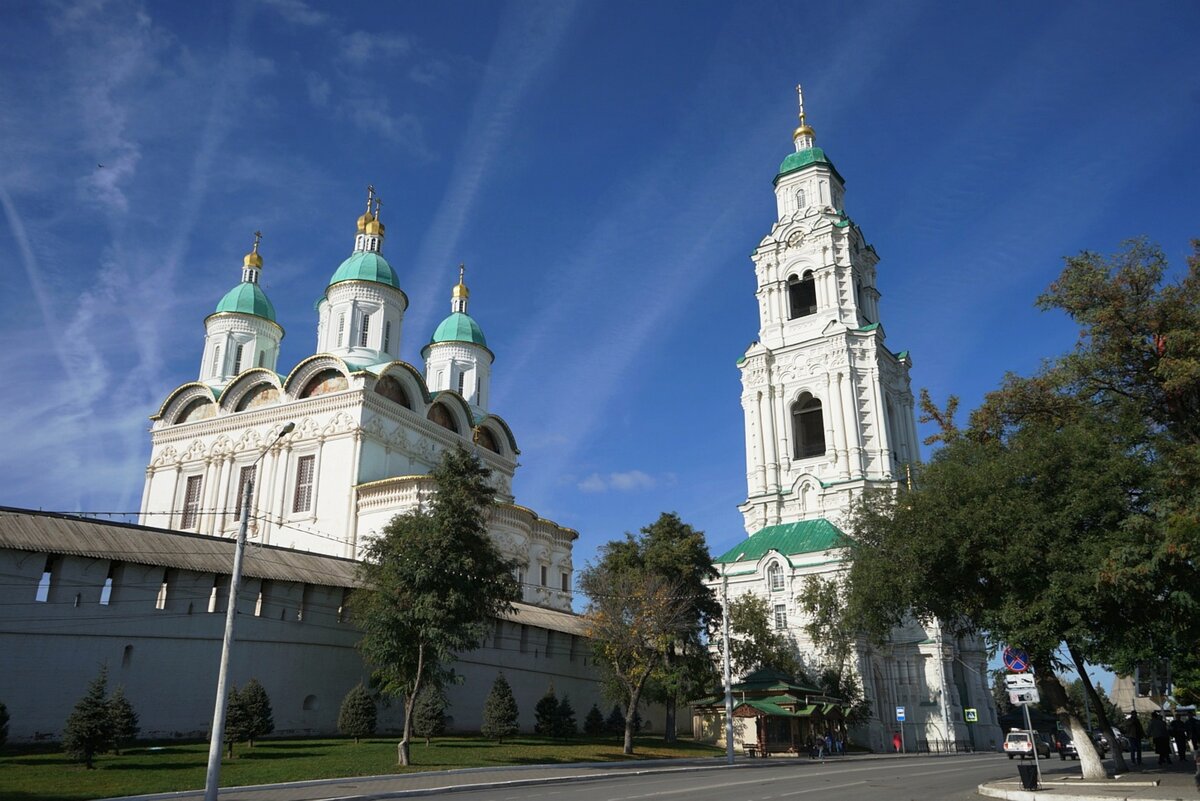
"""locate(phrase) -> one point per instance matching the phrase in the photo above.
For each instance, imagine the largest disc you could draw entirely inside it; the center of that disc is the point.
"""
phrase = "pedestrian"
(1193, 728)
(1131, 727)
(828, 743)
(1156, 730)
(1178, 730)
(896, 741)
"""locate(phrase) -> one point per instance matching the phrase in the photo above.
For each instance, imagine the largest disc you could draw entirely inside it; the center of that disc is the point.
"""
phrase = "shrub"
(122, 718)
(429, 717)
(564, 719)
(616, 721)
(545, 714)
(260, 721)
(499, 711)
(593, 724)
(357, 717)
(89, 728)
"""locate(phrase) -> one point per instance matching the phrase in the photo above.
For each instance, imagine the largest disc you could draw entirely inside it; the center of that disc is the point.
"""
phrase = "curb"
(991, 791)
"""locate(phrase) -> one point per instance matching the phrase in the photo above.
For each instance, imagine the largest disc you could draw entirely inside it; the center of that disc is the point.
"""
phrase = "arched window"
(439, 415)
(486, 439)
(808, 427)
(775, 577)
(329, 380)
(802, 296)
(391, 389)
(801, 200)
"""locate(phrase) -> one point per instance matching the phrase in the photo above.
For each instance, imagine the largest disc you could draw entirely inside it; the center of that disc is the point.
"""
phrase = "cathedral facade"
(369, 427)
(829, 415)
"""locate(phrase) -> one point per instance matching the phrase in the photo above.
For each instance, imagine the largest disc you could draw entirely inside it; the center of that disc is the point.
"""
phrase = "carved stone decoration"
(195, 451)
(168, 456)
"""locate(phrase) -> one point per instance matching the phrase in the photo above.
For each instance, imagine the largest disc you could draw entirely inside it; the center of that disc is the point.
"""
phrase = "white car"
(1023, 743)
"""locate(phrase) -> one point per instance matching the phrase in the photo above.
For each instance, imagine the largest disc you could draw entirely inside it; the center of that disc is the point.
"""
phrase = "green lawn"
(40, 774)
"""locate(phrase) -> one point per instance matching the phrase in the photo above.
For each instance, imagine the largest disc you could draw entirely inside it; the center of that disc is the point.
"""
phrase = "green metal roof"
(804, 158)
(247, 298)
(364, 266)
(459, 327)
(807, 536)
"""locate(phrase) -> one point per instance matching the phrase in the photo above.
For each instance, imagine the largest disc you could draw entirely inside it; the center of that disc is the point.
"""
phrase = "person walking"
(1156, 730)
(1178, 730)
(1131, 727)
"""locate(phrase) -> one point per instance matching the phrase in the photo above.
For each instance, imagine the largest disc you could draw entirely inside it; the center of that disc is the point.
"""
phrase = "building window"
(780, 617)
(462, 381)
(498, 634)
(387, 336)
(775, 577)
(808, 427)
(160, 600)
(545, 576)
(302, 501)
(237, 357)
(191, 502)
(43, 588)
(216, 364)
(262, 358)
(802, 296)
(341, 328)
(364, 330)
(106, 590)
(566, 581)
(245, 476)
(801, 201)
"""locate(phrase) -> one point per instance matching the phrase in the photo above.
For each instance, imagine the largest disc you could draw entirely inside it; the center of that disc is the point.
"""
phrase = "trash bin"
(1028, 776)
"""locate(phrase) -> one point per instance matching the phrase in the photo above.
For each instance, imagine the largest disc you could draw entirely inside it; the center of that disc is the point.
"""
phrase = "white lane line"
(946, 770)
(822, 788)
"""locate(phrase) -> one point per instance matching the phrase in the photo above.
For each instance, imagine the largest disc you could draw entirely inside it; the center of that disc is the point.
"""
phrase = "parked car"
(1065, 746)
(1023, 744)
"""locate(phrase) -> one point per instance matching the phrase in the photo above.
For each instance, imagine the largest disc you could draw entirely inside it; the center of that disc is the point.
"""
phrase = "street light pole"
(218, 725)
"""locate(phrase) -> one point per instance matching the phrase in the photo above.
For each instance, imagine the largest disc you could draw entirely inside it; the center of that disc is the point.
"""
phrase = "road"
(917, 778)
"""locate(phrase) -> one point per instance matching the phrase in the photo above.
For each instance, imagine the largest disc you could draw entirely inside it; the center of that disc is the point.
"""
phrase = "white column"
(230, 469)
(853, 424)
(786, 435)
(828, 409)
(839, 409)
(753, 482)
(352, 496)
(770, 442)
(170, 522)
(146, 496)
(879, 416)
(910, 422)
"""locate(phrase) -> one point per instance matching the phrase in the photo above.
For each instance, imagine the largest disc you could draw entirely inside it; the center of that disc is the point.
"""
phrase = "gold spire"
(804, 129)
(367, 216)
(375, 227)
(252, 258)
(460, 289)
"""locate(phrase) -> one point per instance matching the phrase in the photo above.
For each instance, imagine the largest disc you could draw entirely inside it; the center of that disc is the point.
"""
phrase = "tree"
(564, 719)
(615, 723)
(634, 616)
(357, 716)
(545, 714)
(822, 603)
(593, 722)
(238, 724)
(499, 711)
(434, 581)
(430, 712)
(123, 719)
(259, 720)
(755, 643)
(89, 728)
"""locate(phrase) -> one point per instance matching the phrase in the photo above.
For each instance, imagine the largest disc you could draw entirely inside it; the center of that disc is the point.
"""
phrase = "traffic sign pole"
(1033, 741)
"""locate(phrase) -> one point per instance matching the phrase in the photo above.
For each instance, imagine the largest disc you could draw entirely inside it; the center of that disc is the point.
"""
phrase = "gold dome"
(364, 220)
(252, 259)
(460, 291)
(804, 130)
(373, 226)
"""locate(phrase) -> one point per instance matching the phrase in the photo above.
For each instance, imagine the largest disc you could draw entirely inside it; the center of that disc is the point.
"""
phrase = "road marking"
(821, 789)
(947, 770)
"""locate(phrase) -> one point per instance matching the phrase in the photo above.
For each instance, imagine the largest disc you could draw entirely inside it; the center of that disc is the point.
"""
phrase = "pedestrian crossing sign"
(971, 715)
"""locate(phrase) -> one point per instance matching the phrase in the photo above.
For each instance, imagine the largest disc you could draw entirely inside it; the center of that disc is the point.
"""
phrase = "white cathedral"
(369, 427)
(829, 415)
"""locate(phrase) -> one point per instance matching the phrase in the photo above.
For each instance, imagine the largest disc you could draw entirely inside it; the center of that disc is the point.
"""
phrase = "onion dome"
(248, 297)
(367, 263)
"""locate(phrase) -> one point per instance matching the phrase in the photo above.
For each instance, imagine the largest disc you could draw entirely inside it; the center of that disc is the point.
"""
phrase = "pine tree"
(122, 718)
(499, 711)
(545, 714)
(429, 716)
(260, 721)
(564, 719)
(357, 715)
(593, 724)
(237, 719)
(616, 721)
(89, 728)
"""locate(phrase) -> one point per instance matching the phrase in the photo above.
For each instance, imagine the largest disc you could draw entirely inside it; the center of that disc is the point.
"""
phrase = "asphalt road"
(919, 779)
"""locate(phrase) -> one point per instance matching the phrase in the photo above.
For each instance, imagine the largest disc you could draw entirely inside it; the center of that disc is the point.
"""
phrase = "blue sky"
(604, 169)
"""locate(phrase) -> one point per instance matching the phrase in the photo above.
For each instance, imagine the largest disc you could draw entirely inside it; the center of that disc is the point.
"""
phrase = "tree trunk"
(410, 702)
(1106, 725)
(1054, 694)
(669, 735)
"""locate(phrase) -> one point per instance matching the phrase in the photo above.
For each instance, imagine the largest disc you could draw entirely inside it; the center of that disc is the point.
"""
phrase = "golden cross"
(257, 239)
(800, 98)
(370, 195)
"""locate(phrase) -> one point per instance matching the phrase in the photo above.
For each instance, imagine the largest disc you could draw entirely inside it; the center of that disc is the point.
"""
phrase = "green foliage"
(545, 714)
(499, 711)
(615, 724)
(257, 706)
(1075, 696)
(434, 581)
(3, 725)
(756, 643)
(593, 722)
(237, 719)
(564, 719)
(430, 714)
(123, 719)
(357, 715)
(89, 728)
(844, 684)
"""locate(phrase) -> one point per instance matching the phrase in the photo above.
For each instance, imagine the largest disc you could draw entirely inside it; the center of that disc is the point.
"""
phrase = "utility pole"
(728, 680)
(213, 777)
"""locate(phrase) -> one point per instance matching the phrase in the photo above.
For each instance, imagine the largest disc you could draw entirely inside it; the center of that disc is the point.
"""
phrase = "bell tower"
(828, 406)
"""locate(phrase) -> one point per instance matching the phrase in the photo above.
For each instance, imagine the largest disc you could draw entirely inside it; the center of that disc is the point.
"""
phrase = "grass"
(37, 773)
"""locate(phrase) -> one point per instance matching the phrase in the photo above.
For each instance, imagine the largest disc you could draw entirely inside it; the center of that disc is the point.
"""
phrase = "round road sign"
(1016, 660)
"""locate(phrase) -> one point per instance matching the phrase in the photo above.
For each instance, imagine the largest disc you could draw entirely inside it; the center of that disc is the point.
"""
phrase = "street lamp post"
(218, 724)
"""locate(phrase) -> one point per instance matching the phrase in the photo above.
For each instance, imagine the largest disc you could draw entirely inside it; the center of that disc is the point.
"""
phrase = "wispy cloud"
(359, 49)
(297, 12)
(628, 481)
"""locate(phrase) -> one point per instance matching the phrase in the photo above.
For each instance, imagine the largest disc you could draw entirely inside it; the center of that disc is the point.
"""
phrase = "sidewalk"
(1062, 783)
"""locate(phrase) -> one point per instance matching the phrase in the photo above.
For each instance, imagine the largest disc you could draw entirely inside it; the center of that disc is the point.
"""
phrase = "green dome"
(459, 327)
(364, 266)
(802, 158)
(247, 298)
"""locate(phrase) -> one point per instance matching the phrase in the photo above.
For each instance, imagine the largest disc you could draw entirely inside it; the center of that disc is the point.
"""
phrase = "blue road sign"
(1016, 660)
(900, 714)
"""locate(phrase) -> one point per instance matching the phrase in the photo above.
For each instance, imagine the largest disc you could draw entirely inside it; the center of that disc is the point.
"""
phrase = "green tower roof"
(804, 158)
(364, 266)
(247, 298)
(807, 536)
(459, 327)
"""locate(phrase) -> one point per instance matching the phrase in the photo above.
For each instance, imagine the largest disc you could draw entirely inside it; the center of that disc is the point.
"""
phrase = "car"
(1065, 746)
(1025, 744)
